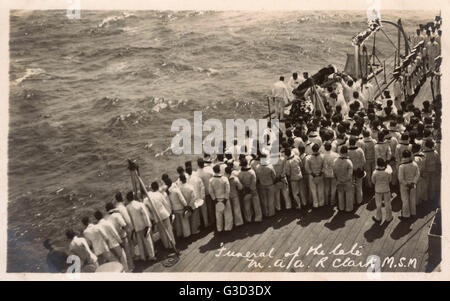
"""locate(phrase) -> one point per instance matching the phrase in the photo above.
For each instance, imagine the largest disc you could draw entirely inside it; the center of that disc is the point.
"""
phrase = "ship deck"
(291, 229)
(272, 244)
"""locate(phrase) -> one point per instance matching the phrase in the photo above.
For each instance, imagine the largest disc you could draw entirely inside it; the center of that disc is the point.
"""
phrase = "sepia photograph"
(207, 140)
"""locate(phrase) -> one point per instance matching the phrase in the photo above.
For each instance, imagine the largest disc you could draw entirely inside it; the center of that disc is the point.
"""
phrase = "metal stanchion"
(136, 180)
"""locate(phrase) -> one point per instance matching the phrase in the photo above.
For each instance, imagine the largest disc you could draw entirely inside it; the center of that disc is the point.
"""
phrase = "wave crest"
(30, 73)
(115, 19)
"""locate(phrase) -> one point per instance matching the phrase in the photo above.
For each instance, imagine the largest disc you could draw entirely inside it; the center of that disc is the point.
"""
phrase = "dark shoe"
(375, 220)
(388, 221)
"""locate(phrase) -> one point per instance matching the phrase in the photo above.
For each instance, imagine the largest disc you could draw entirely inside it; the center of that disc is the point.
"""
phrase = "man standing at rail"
(252, 205)
(398, 90)
(314, 168)
(219, 188)
(408, 176)
(205, 172)
(141, 224)
(280, 97)
(343, 171)
(161, 204)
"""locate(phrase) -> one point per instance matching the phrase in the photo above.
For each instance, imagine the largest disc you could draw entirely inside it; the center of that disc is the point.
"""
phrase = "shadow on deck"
(306, 228)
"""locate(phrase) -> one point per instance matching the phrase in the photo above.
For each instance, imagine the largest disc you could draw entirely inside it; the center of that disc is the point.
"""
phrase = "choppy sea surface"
(85, 94)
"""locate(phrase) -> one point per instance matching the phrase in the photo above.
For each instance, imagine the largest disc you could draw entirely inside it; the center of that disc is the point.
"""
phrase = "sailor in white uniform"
(280, 97)
(79, 246)
(141, 224)
(96, 239)
(293, 83)
(219, 188)
(113, 238)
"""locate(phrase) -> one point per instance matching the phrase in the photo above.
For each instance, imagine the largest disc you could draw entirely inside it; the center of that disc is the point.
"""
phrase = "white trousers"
(278, 106)
(330, 191)
(408, 196)
(237, 214)
(119, 253)
(281, 189)
(224, 219)
(379, 199)
(252, 207)
(162, 233)
(145, 245)
(182, 225)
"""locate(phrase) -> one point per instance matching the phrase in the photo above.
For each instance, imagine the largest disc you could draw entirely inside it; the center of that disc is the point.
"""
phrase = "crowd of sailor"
(424, 58)
(350, 149)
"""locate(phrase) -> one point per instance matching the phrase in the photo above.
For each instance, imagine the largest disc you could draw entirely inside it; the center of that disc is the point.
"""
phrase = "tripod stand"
(136, 181)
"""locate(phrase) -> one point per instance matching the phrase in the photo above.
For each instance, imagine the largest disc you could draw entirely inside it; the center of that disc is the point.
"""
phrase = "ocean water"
(84, 97)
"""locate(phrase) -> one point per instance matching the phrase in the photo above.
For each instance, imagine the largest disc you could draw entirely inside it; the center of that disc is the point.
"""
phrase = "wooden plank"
(397, 238)
(339, 234)
(157, 265)
(243, 265)
(375, 248)
(389, 242)
(261, 245)
(229, 239)
(286, 216)
(351, 235)
(244, 245)
(318, 219)
(400, 240)
(251, 246)
(422, 246)
(356, 237)
(293, 236)
(317, 223)
(372, 235)
(287, 239)
(408, 251)
(254, 229)
(326, 237)
(264, 248)
(186, 255)
(336, 235)
(315, 232)
(201, 253)
(222, 264)
(290, 241)
(412, 251)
